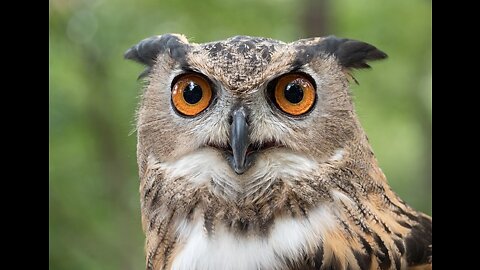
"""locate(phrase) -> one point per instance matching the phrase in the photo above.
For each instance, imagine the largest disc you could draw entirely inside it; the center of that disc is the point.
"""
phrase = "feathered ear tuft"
(147, 50)
(351, 53)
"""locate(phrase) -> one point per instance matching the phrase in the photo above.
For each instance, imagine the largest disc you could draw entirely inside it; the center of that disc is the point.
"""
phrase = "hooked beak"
(239, 140)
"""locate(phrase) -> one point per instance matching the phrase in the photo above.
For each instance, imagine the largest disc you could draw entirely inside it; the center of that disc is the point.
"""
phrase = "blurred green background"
(94, 202)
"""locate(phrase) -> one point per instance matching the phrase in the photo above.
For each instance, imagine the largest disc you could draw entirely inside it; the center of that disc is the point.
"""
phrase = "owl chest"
(288, 240)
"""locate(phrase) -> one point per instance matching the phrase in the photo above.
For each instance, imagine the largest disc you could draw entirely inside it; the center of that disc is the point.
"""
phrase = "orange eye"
(191, 94)
(294, 94)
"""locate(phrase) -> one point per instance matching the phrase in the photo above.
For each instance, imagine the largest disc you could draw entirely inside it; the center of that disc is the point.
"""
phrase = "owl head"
(251, 156)
(237, 114)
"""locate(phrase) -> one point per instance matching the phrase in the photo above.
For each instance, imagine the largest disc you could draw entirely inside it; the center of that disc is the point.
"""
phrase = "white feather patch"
(224, 250)
(208, 164)
(338, 155)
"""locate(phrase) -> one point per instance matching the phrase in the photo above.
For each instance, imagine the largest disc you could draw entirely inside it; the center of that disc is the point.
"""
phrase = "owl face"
(246, 110)
(251, 156)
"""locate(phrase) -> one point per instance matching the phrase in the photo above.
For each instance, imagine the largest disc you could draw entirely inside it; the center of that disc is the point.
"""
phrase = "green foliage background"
(94, 203)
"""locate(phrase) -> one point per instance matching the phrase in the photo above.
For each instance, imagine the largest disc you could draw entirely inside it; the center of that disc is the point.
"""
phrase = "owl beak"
(239, 140)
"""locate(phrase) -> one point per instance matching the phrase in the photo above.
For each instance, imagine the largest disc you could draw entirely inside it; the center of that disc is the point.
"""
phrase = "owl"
(251, 156)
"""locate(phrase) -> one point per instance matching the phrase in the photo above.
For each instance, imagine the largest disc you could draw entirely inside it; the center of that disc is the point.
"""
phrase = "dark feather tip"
(147, 50)
(352, 53)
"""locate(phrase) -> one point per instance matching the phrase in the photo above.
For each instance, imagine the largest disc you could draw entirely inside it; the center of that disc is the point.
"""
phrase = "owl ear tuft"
(147, 50)
(351, 53)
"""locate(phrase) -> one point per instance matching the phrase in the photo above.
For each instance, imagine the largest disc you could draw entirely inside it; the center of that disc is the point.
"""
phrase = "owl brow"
(304, 56)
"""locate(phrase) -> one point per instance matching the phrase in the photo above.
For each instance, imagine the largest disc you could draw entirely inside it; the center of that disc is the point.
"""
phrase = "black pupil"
(192, 93)
(294, 93)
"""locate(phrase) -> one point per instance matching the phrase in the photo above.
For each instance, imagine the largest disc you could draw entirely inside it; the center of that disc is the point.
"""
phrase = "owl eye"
(191, 94)
(294, 94)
